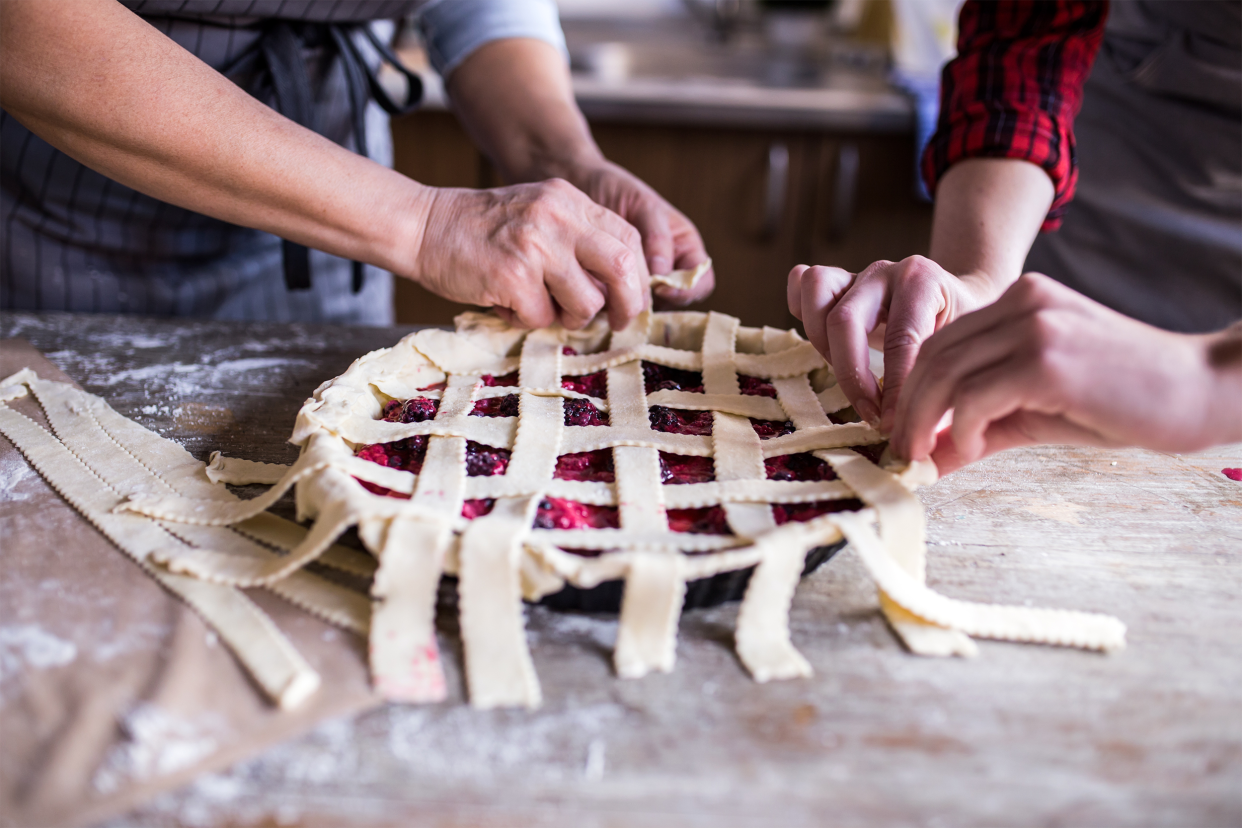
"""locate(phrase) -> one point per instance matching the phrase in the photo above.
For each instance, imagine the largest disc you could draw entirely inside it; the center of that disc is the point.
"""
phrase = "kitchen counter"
(668, 72)
(1022, 734)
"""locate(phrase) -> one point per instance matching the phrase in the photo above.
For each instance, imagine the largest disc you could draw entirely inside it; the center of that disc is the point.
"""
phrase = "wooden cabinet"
(763, 200)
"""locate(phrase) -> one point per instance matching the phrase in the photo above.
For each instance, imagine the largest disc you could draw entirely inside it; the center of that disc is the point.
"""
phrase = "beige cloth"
(112, 690)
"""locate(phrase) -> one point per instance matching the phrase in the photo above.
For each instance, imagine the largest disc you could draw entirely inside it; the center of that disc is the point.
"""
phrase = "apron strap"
(281, 50)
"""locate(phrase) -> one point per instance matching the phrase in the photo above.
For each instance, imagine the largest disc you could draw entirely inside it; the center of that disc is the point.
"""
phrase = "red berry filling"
(485, 461)
(472, 509)
(709, 520)
(382, 491)
(681, 468)
(802, 466)
(509, 380)
(767, 429)
(662, 378)
(580, 412)
(872, 452)
(406, 455)
(594, 385)
(785, 512)
(506, 406)
(677, 421)
(592, 466)
(756, 387)
(558, 513)
(416, 410)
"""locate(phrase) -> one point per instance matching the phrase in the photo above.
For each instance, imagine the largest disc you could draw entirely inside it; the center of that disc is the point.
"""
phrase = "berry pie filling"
(506, 406)
(709, 520)
(509, 380)
(677, 421)
(559, 513)
(597, 466)
(580, 412)
(593, 385)
(767, 429)
(588, 466)
(681, 468)
(798, 467)
(785, 512)
(662, 378)
(755, 387)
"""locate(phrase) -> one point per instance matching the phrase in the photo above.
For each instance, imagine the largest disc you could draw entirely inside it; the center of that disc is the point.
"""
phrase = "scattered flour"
(157, 743)
(28, 645)
(462, 744)
(14, 471)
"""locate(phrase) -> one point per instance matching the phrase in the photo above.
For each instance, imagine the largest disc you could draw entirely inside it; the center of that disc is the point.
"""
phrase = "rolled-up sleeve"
(452, 29)
(1015, 87)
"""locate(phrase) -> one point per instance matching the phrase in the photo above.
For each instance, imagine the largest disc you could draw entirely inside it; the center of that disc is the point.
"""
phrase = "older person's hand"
(1045, 364)
(538, 253)
(670, 240)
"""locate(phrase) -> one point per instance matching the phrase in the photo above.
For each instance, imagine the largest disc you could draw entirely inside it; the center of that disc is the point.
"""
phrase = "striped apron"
(74, 240)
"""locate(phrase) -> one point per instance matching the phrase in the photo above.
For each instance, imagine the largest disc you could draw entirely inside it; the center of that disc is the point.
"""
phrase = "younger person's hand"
(891, 305)
(1045, 364)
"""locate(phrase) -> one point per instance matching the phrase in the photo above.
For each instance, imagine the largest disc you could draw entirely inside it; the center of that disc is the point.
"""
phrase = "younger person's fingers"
(847, 325)
(793, 290)
(932, 386)
(821, 289)
(911, 320)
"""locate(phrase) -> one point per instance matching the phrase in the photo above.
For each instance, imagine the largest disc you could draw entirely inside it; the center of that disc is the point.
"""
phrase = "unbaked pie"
(684, 449)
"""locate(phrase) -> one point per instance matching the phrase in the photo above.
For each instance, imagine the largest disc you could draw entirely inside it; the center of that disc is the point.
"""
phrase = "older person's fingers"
(688, 253)
(532, 308)
(576, 293)
(619, 268)
(651, 220)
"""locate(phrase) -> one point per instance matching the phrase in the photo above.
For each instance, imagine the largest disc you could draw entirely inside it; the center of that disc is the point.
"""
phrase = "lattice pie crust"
(499, 558)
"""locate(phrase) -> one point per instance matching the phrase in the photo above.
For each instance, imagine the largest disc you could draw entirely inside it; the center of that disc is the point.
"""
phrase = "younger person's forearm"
(1223, 358)
(988, 212)
(515, 98)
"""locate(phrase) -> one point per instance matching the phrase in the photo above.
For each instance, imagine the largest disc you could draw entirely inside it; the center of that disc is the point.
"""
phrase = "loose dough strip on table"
(240, 472)
(903, 526)
(265, 652)
(130, 458)
(1091, 631)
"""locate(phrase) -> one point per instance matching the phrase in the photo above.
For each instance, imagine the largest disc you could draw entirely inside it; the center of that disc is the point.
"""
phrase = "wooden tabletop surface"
(1021, 735)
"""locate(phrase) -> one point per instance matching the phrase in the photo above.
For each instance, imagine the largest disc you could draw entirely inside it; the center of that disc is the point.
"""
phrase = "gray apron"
(1155, 228)
(72, 239)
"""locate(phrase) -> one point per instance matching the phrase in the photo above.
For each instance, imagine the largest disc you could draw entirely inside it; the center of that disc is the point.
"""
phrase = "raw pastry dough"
(499, 558)
(168, 511)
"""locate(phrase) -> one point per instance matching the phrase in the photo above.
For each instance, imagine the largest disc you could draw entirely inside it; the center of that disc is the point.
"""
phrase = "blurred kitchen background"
(787, 130)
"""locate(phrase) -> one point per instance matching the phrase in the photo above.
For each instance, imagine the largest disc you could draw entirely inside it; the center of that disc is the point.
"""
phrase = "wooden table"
(1022, 735)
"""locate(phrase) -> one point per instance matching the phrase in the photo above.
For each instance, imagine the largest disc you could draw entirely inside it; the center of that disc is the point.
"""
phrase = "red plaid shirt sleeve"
(1015, 86)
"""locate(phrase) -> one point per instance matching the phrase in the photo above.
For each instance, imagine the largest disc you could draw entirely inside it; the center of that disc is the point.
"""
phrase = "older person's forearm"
(100, 84)
(515, 98)
(988, 212)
